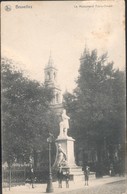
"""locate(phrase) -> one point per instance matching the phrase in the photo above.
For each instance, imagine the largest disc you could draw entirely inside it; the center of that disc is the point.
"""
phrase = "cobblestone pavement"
(106, 185)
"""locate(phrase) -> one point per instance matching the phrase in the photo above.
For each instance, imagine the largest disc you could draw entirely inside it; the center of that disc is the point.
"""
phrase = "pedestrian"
(32, 177)
(86, 173)
(111, 170)
(67, 178)
(60, 177)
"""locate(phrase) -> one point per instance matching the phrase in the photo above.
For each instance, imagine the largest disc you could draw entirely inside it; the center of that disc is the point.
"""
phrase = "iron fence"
(12, 177)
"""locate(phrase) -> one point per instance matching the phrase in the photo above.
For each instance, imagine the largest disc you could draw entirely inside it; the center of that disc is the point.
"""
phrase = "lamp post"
(49, 188)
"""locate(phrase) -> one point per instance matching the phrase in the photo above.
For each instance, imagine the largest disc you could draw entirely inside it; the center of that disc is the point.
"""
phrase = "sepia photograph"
(63, 97)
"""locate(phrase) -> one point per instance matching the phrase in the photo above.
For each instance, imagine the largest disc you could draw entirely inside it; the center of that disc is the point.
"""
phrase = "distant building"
(50, 81)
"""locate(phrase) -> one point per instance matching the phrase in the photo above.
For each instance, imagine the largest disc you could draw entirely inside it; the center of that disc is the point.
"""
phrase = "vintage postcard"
(63, 97)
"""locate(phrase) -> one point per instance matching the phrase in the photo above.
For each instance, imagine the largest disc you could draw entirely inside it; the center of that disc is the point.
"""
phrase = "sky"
(64, 28)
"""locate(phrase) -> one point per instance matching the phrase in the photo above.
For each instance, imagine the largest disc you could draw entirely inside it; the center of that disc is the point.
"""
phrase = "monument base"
(67, 144)
(78, 175)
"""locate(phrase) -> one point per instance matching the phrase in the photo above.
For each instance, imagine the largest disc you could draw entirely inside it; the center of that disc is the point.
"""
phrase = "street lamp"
(49, 188)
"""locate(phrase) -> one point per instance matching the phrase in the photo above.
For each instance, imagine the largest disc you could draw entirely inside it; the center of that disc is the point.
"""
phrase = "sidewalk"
(41, 188)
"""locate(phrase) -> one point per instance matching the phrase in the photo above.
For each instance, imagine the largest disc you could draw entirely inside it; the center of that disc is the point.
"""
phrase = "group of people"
(62, 175)
(65, 175)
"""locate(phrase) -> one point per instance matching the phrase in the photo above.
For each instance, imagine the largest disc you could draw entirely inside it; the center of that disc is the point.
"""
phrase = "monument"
(65, 149)
(64, 143)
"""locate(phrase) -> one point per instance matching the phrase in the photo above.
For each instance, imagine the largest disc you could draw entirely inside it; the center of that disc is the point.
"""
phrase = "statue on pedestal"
(64, 124)
(64, 145)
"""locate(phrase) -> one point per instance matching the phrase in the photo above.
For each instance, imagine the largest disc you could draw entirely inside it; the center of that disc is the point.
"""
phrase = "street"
(106, 185)
(109, 188)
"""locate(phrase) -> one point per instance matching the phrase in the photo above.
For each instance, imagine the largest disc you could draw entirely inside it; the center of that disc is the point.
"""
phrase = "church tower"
(51, 73)
(83, 56)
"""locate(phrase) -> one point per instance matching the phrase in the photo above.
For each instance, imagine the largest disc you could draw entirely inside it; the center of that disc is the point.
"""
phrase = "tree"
(97, 107)
(26, 114)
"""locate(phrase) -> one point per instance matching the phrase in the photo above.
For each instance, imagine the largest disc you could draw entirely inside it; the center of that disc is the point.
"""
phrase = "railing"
(12, 177)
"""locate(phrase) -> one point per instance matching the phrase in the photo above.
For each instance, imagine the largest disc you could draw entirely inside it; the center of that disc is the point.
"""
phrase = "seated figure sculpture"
(64, 124)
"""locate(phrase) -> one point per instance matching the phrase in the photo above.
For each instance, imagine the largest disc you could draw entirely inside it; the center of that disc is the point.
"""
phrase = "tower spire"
(86, 50)
(50, 61)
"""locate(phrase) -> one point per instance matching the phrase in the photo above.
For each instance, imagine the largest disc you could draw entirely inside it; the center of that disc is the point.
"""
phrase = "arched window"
(48, 75)
(57, 98)
(54, 75)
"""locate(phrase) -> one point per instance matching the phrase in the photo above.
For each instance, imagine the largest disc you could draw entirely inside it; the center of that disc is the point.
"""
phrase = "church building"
(50, 80)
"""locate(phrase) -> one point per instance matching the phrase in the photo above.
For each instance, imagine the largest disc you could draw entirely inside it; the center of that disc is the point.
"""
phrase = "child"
(86, 173)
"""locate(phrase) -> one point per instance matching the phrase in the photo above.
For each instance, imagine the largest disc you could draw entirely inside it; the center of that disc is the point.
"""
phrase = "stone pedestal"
(67, 144)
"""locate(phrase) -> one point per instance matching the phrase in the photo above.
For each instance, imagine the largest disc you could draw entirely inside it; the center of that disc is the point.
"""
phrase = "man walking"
(32, 177)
